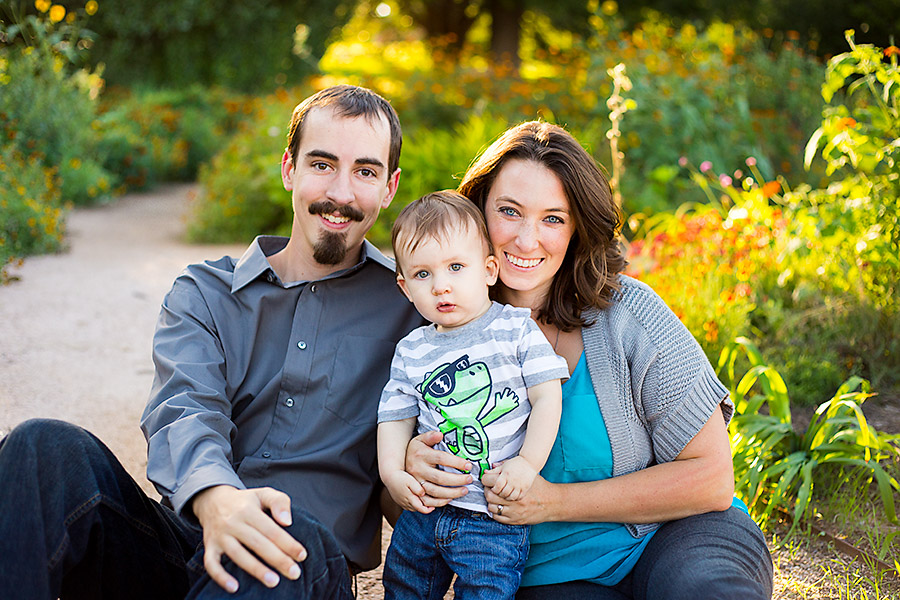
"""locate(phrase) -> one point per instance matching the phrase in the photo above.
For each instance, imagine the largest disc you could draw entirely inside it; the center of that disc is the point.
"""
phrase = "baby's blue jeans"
(426, 550)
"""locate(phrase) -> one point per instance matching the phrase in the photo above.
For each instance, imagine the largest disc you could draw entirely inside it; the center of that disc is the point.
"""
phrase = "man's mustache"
(326, 207)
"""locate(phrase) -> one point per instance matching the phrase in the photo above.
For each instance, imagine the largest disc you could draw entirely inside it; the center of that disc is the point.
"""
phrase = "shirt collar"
(254, 263)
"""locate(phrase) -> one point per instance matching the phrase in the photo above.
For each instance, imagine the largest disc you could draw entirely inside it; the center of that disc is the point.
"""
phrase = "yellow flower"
(91, 7)
(57, 13)
(42, 5)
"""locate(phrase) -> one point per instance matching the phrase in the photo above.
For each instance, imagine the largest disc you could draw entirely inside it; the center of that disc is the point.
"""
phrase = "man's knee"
(44, 436)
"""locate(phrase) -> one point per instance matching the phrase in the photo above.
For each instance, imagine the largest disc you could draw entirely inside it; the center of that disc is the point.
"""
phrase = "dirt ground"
(76, 329)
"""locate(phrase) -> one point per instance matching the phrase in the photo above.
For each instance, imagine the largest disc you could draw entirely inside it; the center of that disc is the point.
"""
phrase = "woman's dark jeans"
(714, 556)
(74, 524)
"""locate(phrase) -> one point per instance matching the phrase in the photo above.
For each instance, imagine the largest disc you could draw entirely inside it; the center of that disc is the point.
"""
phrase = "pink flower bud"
(705, 166)
(683, 161)
(751, 162)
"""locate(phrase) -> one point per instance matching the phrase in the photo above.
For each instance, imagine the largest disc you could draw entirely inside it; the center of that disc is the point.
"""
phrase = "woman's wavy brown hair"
(587, 276)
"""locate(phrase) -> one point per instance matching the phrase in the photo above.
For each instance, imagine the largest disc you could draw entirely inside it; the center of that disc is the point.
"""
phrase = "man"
(268, 373)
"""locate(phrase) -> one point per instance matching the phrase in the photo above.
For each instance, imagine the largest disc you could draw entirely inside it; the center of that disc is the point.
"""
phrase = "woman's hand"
(534, 507)
(422, 462)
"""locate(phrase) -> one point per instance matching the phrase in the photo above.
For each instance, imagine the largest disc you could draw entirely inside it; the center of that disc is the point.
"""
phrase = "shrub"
(33, 215)
(165, 135)
(48, 106)
(242, 194)
(774, 465)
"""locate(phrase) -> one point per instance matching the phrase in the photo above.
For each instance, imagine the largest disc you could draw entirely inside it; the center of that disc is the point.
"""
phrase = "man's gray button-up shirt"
(265, 383)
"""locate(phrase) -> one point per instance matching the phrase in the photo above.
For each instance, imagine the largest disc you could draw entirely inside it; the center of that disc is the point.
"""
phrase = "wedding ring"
(500, 509)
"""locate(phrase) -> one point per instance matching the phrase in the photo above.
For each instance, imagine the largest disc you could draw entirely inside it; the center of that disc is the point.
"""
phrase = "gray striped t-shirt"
(470, 383)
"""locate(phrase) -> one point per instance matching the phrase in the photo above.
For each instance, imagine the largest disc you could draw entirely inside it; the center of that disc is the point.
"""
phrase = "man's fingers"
(212, 561)
(246, 561)
(277, 503)
(279, 506)
(270, 553)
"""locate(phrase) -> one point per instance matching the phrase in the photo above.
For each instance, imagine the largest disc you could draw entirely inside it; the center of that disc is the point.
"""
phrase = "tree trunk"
(444, 20)
(506, 16)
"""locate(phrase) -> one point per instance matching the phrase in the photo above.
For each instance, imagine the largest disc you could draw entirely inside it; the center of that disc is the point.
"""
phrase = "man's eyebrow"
(321, 154)
(359, 161)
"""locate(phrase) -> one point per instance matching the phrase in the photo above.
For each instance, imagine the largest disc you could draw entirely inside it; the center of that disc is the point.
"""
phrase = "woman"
(636, 500)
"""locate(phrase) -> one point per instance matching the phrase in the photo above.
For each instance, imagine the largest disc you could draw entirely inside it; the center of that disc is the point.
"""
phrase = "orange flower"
(846, 123)
(770, 188)
(892, 51)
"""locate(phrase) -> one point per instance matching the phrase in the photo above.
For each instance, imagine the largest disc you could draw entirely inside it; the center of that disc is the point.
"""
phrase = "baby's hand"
(406, 491)
(515, 479)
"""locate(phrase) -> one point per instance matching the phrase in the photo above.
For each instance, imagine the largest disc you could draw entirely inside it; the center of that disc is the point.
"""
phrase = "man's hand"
(514, 478)
(235, 523)
(422, 462)
(406, 491)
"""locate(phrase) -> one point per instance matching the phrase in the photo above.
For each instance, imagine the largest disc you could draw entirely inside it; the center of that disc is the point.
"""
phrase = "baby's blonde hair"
(435, 216)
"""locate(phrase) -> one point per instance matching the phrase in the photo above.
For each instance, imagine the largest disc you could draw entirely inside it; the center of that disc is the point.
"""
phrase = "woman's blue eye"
(554, 219)
(508, 211)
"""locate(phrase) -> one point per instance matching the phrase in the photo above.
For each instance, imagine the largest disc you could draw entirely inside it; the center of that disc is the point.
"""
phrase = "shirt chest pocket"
(359, 372)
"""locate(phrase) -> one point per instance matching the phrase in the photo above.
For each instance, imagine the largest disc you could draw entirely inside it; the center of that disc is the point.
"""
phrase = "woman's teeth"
(525, 263)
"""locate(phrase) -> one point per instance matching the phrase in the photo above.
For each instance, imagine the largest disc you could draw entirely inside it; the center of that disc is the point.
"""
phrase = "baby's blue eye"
(421, 275)
(455, 267)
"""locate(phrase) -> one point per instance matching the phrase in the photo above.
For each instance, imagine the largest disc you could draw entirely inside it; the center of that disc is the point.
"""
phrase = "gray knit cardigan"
(655, 387)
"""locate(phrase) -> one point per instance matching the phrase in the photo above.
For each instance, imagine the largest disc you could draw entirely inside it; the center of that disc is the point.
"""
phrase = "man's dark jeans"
(74, 524)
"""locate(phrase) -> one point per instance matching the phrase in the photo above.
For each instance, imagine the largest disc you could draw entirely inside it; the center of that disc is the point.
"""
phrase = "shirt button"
(289, 402)
(312, 288)
(301, 345)
(270, 277)
(267, 454)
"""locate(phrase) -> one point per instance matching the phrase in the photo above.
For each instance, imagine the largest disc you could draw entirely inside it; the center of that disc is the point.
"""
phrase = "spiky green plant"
(774, 464)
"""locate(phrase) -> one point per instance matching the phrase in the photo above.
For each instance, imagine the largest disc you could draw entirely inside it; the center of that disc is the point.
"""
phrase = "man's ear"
(392, 184)
(401, 283)
(287, 171)
(492, 266)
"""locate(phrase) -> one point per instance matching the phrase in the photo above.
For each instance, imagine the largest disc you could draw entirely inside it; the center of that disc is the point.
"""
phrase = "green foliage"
(165, 135)
(251, 45)
(37, 79)
(860, 139)
(713, 95)
(33, 214)
(242, 194)
(775, 465)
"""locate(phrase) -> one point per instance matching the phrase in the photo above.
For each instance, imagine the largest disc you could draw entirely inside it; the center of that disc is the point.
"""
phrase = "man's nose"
(340, 189)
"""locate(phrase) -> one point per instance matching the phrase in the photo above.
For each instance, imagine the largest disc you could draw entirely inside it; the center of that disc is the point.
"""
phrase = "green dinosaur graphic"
(462, 394)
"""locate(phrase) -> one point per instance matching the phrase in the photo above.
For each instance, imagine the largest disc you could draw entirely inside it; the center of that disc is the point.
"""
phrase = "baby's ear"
(492, 267)
(401, 283)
